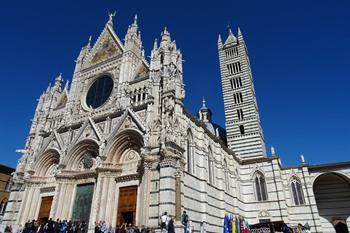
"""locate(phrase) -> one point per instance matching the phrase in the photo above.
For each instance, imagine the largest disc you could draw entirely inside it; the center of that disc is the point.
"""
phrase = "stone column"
(143, 210)
(26, 204)
(95, 203)
(178, 197)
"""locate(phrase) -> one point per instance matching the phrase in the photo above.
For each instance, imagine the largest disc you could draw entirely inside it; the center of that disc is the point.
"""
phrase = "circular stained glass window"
(99, 92)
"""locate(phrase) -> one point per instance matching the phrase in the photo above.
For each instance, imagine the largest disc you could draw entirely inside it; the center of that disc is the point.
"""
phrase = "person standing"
(163, 222)
(171, 227)
(184, 221)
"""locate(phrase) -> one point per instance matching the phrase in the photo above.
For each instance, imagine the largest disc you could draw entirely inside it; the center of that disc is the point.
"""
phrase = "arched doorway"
(332, 194)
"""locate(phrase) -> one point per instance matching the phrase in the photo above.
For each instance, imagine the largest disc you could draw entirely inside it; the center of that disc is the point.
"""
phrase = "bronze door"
(45, 208)
(127, 205)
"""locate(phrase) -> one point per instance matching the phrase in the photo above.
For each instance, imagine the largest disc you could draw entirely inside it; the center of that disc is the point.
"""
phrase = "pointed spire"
(59, 78)
(48, 88)
(135, 19)
(133, 28)
(219, 39)
(239, 33)
(273, 152)
(166, 39)
(203, 104)
(89, 42)
(302, 159)
(165, 31)
(66, 85)
(204, 112)
(58, 82)
(155, 44)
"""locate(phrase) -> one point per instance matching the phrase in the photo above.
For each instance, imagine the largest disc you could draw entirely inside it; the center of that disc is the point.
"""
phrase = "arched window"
(210, 167)
(190, 154)
(227, 178)
(260, 187)
(297, 192)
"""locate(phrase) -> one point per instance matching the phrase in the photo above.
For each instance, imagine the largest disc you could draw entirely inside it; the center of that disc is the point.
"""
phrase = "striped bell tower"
(243, 128)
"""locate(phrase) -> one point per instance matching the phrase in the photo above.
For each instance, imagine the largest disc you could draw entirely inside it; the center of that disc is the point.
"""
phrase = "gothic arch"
(259, 184)
(296, 190)
(46, 163)
(331, 191)
(340, 173)
(126, 140)
(82, 156)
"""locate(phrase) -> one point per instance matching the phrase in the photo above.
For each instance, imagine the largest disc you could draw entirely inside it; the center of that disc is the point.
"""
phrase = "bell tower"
(243, 128)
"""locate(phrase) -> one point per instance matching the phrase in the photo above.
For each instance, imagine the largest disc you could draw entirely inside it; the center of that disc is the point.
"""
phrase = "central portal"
(127, 205)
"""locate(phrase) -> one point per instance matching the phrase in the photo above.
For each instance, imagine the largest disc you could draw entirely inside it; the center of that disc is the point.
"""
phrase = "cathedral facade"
(118, 144)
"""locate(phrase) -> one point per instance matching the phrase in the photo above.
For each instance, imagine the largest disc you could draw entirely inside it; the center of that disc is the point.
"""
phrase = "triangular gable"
(54, 142)
(108, 45)
(141, 71)
(127, 121)
(62, 100)
(88, 130)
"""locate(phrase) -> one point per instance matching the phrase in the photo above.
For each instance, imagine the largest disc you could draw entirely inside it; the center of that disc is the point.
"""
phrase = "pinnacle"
(135, 19)
(219, 39)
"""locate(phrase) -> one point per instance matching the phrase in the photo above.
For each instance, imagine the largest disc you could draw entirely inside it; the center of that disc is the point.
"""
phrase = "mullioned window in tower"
(234, 68)
(236, 82)
(232, 52)
(238, 98)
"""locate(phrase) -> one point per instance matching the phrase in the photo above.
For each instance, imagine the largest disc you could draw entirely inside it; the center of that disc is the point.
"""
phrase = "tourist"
(123, 228)
(163, 222)
(8, 229)
(20, 229)
(56, 226)
(171, 227)
(70, 228)
(103, 227)
(63, 226)
(184, 221)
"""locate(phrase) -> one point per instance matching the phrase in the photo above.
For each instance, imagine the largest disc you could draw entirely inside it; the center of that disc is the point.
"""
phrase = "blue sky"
(299, 52)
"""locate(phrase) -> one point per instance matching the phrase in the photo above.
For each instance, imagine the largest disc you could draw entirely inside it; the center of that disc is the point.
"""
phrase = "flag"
(226, 220)
(233, 220)
(230, 224)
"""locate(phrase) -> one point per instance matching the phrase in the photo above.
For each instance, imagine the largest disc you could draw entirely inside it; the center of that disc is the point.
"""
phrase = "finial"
(203, 103)
(165, 30)
(273, 152)
(111, 15)
(302, 159)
